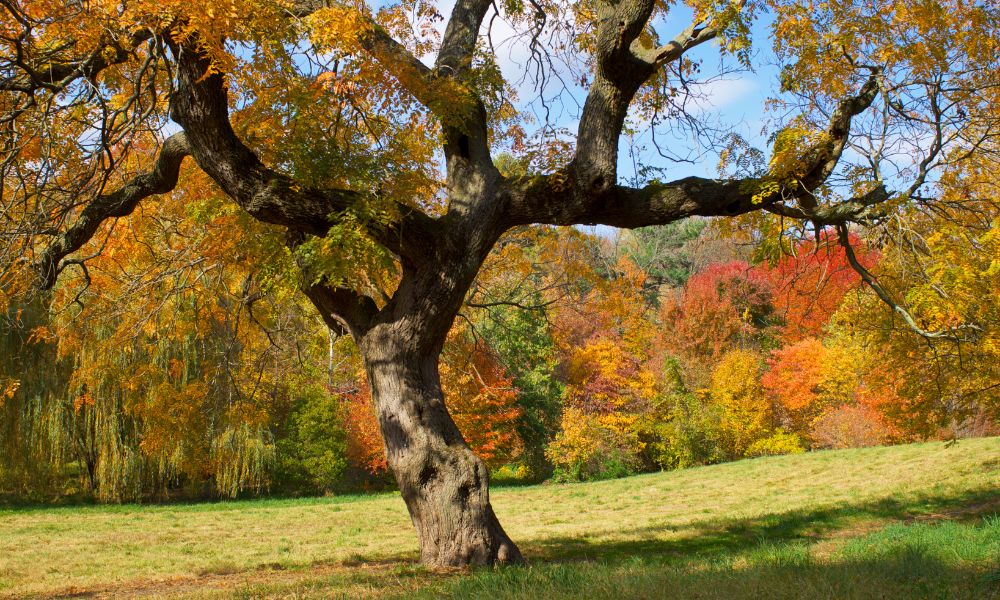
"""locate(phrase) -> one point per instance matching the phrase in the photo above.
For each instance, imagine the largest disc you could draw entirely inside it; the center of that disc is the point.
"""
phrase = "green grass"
(915, 521)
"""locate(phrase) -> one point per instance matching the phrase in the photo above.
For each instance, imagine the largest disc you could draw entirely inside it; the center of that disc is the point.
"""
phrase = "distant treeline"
(576, 357)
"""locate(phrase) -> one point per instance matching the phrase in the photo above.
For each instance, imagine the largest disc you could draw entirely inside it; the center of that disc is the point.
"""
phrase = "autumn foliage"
(568, 363)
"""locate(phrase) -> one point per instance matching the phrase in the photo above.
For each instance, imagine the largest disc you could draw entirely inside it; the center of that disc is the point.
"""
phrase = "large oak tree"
(885, 96)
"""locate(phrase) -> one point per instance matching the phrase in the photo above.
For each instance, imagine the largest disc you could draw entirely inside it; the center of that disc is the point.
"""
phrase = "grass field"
(917, 521)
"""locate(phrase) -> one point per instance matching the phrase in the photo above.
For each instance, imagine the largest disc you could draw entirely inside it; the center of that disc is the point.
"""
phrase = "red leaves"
(721, 307)
(809, 286)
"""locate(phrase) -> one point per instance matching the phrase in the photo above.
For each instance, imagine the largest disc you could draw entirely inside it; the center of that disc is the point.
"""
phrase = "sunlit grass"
(913, 520)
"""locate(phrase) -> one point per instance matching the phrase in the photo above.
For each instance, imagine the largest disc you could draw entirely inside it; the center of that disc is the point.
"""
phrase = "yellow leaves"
(766, 189)
(349, 256)
(338, 27)
(109, 53)
(595, 446)
(8, 388)
(42, 334)
(791, 148)
(746, 412)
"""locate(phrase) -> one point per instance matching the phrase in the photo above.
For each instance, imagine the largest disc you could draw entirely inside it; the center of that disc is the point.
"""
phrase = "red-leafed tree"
(724, 306)
(809, 285)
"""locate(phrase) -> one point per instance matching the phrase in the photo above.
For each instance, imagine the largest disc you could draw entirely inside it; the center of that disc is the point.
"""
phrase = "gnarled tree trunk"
(444, 484)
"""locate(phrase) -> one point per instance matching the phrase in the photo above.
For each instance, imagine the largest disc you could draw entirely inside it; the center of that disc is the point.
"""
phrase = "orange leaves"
(8, 387)
(851, 426)
(723, 306)
(83, 400)
(482, 400)
(795, 373)
(480, 397)
(365, 448)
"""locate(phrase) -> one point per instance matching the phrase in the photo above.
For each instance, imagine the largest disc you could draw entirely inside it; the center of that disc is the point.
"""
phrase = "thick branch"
(860, 209)
(437, 89)
(161, 179)
(571, 196)
(455, 56)
(623, 66)
(342, 309)
(201, 106)
(823, 158)
(543, 200)
(55, 75)
(694, 35)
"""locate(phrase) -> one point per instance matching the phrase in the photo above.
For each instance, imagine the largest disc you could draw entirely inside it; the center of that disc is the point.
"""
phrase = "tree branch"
(866, 276)
(567, 197)
(201, 106)
(823, 158)
(455, 56)
(161, 179)
(55, 75)
(343, 310)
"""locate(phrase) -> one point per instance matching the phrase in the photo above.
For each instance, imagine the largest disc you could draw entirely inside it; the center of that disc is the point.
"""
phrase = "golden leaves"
(338, 27)
(8, 388)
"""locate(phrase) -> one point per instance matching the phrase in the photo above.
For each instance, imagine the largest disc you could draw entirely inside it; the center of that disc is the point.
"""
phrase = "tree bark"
(444, 484)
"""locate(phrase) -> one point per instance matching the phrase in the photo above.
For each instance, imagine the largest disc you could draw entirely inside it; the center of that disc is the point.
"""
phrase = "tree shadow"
(717, 536)
(905, 576)
(793, 554)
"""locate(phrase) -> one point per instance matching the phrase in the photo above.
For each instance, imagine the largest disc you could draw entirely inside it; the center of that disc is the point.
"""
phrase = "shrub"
(779, 442)
(590, 448)
(850, 427)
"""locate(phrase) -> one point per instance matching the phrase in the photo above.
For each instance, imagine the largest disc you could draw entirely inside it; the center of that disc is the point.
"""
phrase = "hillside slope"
(917, 519)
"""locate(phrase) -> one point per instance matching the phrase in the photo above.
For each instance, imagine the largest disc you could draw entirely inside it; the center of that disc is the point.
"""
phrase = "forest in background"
(183, 363)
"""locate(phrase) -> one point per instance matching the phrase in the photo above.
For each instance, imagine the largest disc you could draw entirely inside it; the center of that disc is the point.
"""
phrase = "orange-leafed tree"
(482, 399)
(609, 391)
(794, 381)
(483, 403)
(365, 448)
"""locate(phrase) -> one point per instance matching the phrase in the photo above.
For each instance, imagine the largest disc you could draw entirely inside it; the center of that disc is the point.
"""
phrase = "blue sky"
(735, 100)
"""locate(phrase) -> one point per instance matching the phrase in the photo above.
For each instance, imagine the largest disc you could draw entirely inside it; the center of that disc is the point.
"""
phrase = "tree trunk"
(444, 484)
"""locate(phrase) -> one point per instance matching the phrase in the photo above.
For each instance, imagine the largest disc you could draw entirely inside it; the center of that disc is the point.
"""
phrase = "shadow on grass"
(933, 547)
(907, 575)
(719, 536)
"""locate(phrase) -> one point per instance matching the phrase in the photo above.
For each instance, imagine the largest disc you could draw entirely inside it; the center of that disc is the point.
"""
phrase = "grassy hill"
(917, 521)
